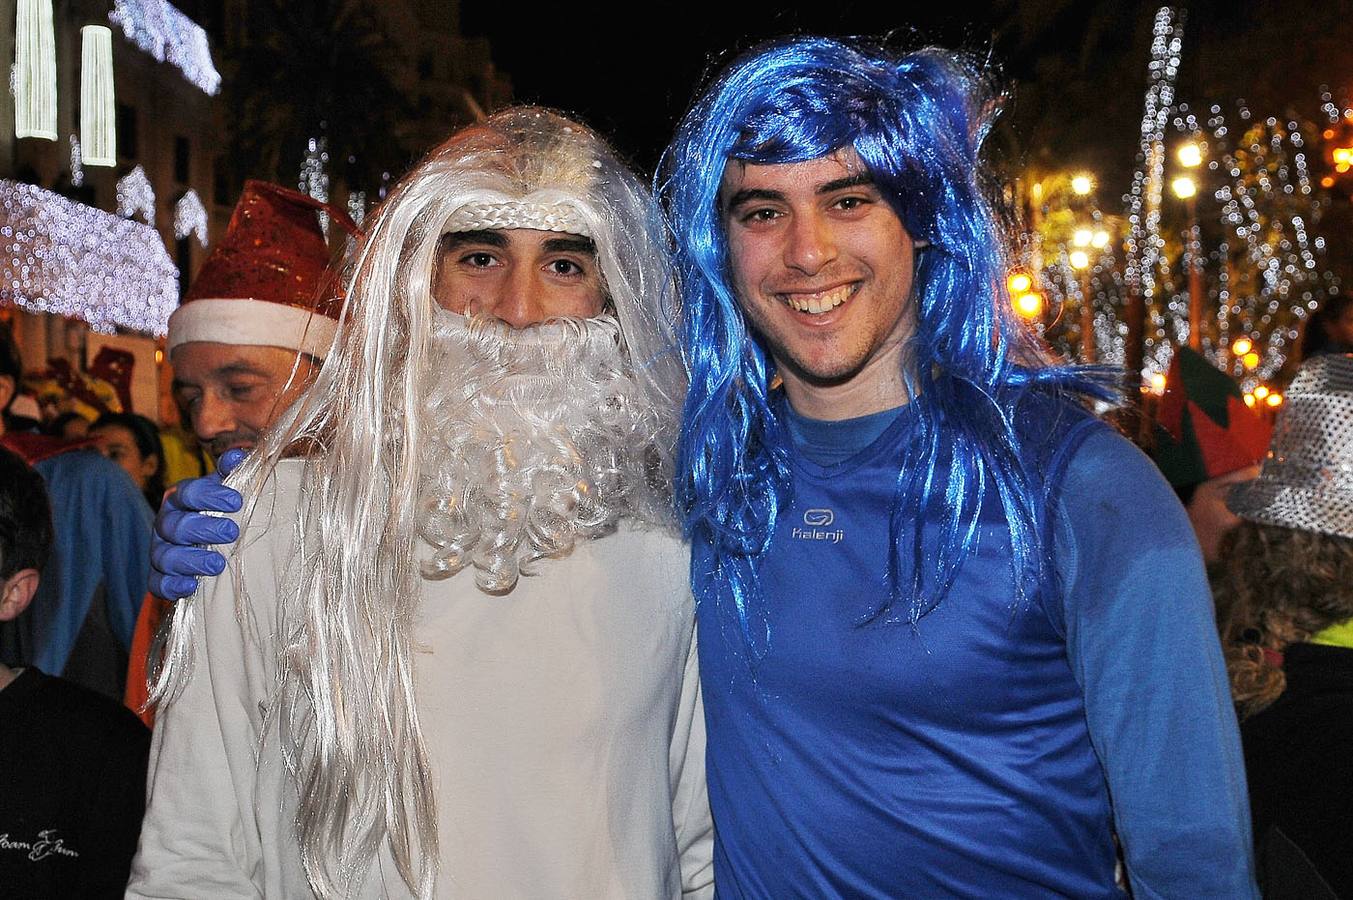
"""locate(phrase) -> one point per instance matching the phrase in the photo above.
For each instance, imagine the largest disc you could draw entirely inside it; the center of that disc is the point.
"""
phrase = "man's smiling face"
(821, 264)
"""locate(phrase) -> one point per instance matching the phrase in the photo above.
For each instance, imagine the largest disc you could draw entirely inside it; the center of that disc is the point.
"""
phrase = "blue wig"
(916, 121)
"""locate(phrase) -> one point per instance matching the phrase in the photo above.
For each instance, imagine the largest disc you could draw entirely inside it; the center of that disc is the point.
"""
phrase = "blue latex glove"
(176, 559)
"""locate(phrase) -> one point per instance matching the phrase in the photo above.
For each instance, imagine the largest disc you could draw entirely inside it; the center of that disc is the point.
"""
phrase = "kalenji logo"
(817, 520)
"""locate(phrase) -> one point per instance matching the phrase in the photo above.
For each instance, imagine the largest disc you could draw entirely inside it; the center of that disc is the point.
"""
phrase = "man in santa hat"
(245, 342)
(453, 653)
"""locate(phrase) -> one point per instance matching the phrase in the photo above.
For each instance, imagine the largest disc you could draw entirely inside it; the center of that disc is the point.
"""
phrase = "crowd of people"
(573, 539)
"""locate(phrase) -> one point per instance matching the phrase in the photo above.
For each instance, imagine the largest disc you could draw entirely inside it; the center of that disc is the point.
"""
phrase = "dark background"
(1075, 70)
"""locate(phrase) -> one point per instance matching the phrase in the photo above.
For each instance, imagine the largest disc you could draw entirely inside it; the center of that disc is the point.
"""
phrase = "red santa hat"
(265, 282)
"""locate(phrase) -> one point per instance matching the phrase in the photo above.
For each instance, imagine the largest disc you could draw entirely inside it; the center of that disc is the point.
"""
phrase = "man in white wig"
(452, 653)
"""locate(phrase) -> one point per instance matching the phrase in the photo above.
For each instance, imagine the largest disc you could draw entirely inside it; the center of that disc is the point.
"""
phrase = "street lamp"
(1189, 154)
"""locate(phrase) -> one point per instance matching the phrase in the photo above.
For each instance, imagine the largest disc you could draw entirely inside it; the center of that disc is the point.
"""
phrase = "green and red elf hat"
(1203, 427)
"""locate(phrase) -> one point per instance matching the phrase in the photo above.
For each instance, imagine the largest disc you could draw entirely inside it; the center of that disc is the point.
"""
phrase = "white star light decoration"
(161, 30)
(62, 257)
(190, 217)
(135, 196)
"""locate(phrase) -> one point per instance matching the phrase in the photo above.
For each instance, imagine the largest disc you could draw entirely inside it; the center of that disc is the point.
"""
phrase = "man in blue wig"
(955, 634)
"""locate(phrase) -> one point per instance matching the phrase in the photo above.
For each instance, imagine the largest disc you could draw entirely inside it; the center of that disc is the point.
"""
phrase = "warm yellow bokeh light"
(1079, 259)
(1082, 237)
(1082, 184)
(1249, 400)
(1184, 187)
(1343, 155)
(1189, 155)
(1029, 305)
(1274, 399)
(1242, 346)
(1158, 382)
(1100, 239)
(1250, 359)
(1260, 392)
(1019, 283)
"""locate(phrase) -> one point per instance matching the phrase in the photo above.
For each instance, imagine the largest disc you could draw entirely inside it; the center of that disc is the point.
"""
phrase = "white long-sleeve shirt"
(563, 723)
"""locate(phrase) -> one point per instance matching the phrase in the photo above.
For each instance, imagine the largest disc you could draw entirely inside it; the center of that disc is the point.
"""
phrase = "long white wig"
(345, 702)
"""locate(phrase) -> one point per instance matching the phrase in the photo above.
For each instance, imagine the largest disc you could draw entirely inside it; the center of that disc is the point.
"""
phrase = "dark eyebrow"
(747, 195)
(850, 181)
(570, 245)
(460, 238)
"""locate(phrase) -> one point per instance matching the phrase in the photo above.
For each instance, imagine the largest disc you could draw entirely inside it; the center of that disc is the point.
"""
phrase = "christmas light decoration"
(62, 257)
(161, 30)
(98, 131)
(190, 217)
(357, 206)
(77, 168)
(1144, 242)
(314, 179)
(34, 71)
(135, 196)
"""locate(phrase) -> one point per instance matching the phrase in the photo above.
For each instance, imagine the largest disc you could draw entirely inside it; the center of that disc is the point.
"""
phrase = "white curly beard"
(536, 438)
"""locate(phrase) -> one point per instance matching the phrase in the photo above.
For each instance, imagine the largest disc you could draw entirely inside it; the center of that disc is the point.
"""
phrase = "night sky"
(1075, 69)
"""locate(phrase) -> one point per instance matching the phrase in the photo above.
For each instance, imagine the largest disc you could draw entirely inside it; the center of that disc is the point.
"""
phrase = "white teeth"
(821, 302)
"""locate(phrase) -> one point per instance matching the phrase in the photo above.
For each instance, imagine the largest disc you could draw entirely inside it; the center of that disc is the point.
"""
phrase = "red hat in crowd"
(265, 282)
(1205, 430)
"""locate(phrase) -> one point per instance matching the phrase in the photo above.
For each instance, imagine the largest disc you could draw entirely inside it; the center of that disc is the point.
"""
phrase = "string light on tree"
(314, 180)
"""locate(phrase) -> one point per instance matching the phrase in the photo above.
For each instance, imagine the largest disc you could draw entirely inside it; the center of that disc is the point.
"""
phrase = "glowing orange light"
(1328, 133)
(1327, 181)
(1342, 155)
(1082, 185)
(1260, 392)
(1158, 383)
(159, 357)
(1019, 283)
(1242, 346)
(1249, 400)
(1275, 399)
(1250, 359)
(1029, 305)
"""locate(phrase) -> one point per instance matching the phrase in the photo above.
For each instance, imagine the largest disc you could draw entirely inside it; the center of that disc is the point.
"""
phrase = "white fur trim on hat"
(254, 323)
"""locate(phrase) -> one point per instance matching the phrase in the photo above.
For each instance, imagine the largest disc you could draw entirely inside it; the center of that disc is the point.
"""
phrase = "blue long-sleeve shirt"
(991, 750)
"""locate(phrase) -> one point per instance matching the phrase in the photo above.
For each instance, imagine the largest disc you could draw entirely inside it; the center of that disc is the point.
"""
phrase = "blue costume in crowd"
(80, 622)
(953, 647)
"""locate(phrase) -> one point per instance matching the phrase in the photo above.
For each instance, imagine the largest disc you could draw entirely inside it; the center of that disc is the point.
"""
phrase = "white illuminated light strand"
(34, 71)
(314, 180)
(77, 168)
(161, 30)
(135, 196)
(190, 217)
(98, 131)
(62, 257)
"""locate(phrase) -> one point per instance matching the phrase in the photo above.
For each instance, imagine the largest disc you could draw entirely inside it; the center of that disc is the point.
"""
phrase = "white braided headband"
(507, 214)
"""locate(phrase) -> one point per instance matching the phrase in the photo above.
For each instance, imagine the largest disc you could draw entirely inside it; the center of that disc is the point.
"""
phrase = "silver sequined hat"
(1307, 478)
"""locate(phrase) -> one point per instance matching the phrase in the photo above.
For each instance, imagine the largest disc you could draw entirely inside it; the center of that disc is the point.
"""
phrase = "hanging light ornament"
(190, 217)
(77, 168)
(59, 256)
(167, 34)
(34, 71)
(135, 196)
(98, 131)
